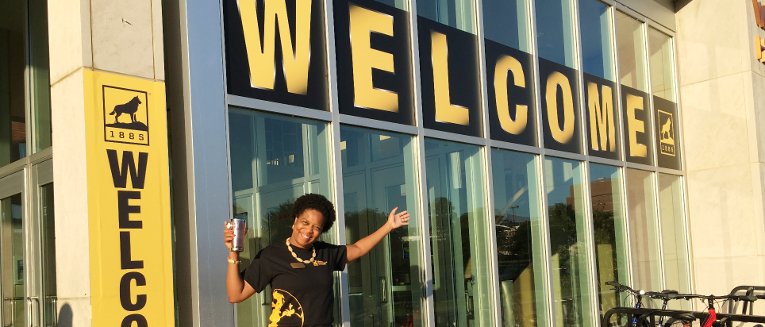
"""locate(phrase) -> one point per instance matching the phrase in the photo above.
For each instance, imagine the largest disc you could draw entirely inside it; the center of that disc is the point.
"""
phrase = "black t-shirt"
(302, 296)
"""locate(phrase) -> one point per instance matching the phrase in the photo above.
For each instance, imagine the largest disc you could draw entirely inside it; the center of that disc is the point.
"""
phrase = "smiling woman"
(299, 270)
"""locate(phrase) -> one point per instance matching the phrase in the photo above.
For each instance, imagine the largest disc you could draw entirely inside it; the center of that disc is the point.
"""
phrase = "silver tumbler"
(239, 225)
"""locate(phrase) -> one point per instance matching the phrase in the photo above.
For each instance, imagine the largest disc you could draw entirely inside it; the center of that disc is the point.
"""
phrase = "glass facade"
(505, 231)
(630, 43)
(661, 60)
(274, 160)
(27, 228)
(674, 236)
(570, 267)
(507, 22)
(555, 31)
(520, 253)
(379, 174)
(455, 199)
(459, 14)
(597, 46)
(609, 229)
(24, 81)
(644, 230)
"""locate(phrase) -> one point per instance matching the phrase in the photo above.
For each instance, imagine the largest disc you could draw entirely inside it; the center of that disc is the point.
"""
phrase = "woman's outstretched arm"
(364, 245)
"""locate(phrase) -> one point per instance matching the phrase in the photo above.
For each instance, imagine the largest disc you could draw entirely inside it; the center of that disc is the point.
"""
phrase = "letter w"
(119, 174)
(260, 52)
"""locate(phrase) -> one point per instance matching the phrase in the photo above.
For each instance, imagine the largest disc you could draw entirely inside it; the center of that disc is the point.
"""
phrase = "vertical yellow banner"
(128, 201)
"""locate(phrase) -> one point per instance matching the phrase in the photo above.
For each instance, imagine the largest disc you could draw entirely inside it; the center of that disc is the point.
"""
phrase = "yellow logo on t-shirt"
(283, 310)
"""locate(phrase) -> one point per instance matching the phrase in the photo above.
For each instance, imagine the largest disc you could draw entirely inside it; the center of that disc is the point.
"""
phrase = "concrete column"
(122, 37)
(723, 111)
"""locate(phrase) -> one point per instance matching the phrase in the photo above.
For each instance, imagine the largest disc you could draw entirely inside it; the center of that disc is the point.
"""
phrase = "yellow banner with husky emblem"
(128, 201)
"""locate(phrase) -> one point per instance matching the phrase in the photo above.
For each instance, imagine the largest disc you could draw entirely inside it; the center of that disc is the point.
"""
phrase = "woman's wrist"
(233, 257)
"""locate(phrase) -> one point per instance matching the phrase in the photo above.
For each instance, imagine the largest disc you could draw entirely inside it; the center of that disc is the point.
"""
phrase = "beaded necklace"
(289, 247)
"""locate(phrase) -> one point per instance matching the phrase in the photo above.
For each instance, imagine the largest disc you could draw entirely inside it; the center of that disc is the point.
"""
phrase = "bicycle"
(711, 319)
(640, 317)
(637, 294)
(683, 318)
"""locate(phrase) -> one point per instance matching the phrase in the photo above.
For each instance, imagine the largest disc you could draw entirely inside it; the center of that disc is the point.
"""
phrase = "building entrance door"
(12, 261)
(27, 255)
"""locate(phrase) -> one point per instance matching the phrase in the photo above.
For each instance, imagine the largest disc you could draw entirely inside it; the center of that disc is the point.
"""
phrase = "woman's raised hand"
(398, 219)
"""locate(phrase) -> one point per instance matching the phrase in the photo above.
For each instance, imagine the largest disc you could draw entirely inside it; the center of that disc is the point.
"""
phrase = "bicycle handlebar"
(624, 288)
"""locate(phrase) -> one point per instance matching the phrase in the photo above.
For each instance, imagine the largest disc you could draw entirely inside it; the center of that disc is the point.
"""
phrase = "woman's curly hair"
(316, 202)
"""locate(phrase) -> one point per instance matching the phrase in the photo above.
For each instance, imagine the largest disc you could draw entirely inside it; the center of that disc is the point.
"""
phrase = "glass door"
(27, 249)
(12, 252)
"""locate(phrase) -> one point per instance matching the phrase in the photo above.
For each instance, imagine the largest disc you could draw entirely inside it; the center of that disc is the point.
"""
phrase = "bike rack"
(651, 315)
(746, 290)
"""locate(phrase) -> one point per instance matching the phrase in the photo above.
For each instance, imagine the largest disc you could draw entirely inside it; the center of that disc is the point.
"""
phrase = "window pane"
(595, 29)
(400, 4)
(519, 249)
(570, 277)
(455, 13)
(39, 73)
(644, 241)
(630, 45)
(48, 231)
(507, 22)
(554, 31)
(12, 262)
(673, 233)
(662, 78)
(13, 119)
(274, 160)
(384, 285)
(610, 234)
(458, 234)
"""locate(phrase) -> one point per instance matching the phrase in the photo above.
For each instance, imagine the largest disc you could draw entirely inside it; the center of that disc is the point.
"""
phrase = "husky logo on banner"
(666, 133)
(126, 117)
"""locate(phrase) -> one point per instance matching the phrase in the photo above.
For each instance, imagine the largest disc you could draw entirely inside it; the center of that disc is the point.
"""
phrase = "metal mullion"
(657, 219)
(490, 226)
(540, 178)
(622, 144)
(589, 240)
(649, 90)
(655, 155)
(427, 303)
(276, 108)
(336, 175)
(33, 242)
(28, 81)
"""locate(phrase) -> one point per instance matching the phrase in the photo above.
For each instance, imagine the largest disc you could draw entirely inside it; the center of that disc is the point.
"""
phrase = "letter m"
(120, 174)
(261, 46)
(601, 112)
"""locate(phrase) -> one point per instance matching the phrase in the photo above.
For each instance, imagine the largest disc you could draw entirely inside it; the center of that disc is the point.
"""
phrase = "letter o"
(136, 318)
(561, 134)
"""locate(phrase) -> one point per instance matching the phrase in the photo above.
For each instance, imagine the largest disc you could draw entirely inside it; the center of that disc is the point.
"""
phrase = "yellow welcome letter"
(601, 118)
(561, 134)
(260, 52)
(634, 126)
(363, 22)
(504, 65)
(446, 112)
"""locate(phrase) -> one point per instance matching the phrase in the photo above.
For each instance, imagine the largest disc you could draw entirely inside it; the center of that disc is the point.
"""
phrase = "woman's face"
(307, 228)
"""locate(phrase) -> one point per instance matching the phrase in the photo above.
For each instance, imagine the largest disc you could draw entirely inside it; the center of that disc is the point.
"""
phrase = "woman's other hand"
(228, 235)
